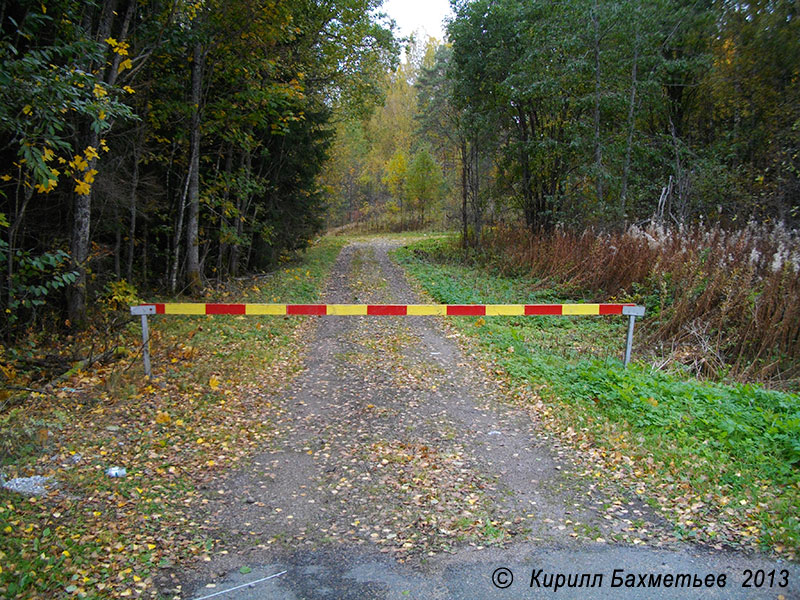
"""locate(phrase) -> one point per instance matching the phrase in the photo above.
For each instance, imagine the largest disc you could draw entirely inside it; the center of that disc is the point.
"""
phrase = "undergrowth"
(723, 304)
(721, 461)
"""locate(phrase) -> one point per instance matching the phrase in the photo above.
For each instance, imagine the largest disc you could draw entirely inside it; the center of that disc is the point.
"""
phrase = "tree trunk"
(528, 200)
(626, 167)
(82, 203)
(475, 192)
(16, 223)
(241, 202)
(193, 278)
(176, 237)
(117, 243)
(223, 220)
(132, 209)
(79, 253)
(598, 148)
(464, 226)
(144, 251)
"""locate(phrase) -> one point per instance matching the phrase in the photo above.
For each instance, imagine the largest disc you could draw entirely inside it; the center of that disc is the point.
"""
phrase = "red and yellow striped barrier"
(451, 310)
(448, 310)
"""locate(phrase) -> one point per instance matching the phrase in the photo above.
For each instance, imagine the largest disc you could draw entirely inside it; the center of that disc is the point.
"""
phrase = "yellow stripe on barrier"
(581, 309)
(180, 308)
(427, 309)
(347, 309)
(505, 309)
(265, 309)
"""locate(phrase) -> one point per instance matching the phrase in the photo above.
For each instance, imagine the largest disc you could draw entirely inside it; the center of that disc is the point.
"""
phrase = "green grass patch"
(240, 341)
(720, 460)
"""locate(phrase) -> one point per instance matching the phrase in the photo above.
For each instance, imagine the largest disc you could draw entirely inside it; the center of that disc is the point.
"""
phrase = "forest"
(164, 146)
(585, 113)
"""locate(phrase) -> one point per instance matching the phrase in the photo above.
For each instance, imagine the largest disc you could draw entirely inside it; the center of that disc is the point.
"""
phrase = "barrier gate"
(446, 310)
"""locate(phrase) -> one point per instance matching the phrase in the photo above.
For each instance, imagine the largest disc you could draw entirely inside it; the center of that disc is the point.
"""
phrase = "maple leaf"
(82, 188)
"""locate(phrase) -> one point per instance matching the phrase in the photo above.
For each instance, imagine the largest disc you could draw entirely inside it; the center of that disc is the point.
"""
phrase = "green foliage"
(121, 295)
(395, 174)
(532, 91)
(601, 108)
(757, 428)
(42, 93)
(36, 278)
(367, 175)
(256, 84)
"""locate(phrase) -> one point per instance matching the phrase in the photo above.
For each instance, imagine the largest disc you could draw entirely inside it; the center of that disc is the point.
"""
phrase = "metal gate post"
(632, 312)
(144, 311)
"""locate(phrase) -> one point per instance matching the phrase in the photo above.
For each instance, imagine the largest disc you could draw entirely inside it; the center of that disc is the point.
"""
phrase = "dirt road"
(402, 471)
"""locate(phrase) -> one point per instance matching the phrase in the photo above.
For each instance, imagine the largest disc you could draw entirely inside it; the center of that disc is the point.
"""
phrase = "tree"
(394, 176)
(441, 125)
(755, 109)
(425, 183)
(532, 90)
(341, 174)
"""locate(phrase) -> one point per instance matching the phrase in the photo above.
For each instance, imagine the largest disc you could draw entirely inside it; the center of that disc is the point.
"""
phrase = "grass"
(208, 407)
(721, 461)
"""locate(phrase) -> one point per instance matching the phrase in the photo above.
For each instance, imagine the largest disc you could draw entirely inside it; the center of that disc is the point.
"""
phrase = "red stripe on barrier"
(544, 309)
(466, 309)
(159, 308)
(225, 309)
(306, 309)
(387, 309)
(611, 309)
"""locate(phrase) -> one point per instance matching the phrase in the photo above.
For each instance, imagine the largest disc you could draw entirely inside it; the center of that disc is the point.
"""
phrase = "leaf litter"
(208, 410)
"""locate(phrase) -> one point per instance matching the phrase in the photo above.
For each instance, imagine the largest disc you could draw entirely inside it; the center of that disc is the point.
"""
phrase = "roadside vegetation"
(720, 460)
(207, 407)
(722, 304)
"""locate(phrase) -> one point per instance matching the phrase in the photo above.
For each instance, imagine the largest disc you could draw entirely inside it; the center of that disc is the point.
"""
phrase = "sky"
(423, 16)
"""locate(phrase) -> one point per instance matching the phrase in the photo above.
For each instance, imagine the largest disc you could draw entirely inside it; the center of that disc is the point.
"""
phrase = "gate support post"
(143, 311)
(632, 312)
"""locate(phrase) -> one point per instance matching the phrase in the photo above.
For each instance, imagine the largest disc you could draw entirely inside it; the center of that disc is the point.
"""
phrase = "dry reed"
(722, 302)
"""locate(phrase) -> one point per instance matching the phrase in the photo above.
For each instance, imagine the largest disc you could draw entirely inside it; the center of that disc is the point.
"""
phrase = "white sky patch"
(422, 16)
